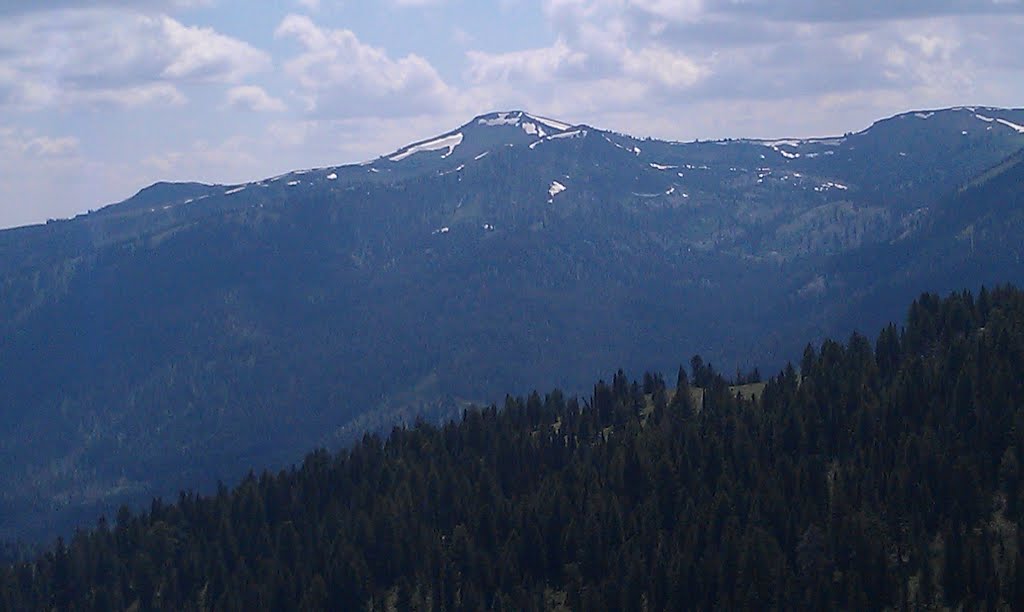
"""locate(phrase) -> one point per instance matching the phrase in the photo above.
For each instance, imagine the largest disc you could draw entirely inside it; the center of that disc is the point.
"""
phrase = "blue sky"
(100, 98)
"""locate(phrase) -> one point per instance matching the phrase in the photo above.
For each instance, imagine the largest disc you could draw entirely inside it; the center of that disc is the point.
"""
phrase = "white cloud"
(133, 96)
(38, 175)
(538, 65)
(644, 58)
(601, 59)
(340, 76)
(113, 56)
(16, 142)
(253, 98)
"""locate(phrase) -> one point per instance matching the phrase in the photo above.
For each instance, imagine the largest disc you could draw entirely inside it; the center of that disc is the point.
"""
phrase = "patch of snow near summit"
(555, 189)
(1014, 126)
(924, 115)
(551, 123)
(332, 177)
(292, 183)
(501, 119)
(235, 190)
(527, 122)
(572, 134)
(446, 142)
(533, 129)
(776, 144)
(662, 167)
(481, 156)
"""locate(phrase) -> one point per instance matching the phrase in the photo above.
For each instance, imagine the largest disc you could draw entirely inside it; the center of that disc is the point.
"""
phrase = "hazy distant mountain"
(194, 331)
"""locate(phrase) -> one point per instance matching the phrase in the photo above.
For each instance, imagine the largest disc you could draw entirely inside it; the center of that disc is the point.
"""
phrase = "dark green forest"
(881, 475)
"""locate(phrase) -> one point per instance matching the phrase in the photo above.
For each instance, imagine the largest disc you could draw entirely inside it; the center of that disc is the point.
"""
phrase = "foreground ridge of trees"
(885, 476)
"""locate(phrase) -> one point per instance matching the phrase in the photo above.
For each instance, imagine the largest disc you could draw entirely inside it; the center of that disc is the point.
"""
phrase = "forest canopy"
(870, 475)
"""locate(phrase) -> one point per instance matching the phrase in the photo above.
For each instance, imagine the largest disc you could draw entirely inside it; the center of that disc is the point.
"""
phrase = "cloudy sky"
(100, 98)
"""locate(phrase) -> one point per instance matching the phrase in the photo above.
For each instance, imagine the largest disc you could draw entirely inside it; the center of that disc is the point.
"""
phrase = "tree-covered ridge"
(883, 476)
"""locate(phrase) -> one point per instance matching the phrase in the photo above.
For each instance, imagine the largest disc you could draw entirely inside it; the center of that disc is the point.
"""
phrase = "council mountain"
(194, 332)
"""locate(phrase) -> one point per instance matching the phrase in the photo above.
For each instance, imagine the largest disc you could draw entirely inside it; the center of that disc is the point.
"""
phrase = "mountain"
(193, 332)
(885, 475)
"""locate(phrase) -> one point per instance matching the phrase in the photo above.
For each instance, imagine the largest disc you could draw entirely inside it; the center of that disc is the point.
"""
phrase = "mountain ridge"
(562, 126)
(192, 332)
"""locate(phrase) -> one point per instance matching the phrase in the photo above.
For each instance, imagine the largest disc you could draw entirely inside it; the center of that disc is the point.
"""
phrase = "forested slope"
(194, 332)
(883, 475)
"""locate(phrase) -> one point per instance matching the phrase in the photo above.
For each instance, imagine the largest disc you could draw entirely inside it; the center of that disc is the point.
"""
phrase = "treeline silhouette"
(874, 476)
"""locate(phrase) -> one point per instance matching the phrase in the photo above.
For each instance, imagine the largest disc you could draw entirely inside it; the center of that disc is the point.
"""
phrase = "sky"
(101, 98)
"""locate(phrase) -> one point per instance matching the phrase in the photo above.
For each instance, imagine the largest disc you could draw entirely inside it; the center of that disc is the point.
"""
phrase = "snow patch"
(332, 177)
(636, 151)
(572, 134)
(445, 142)
(235, 190)
(776, 145)
(525, 120)
(614, 143)
(533, 129)
(551, 123)
(661, 166)
(488, 227)
(670, 191)
(555, 188)
(1018, 128)
(292, 183)
(501, 119)
(924, 115)
(830, 185)
(481, 156)
(441, 230)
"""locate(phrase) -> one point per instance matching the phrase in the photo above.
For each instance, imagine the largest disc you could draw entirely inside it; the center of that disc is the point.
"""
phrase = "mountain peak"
(483, 134)
(530, 123)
